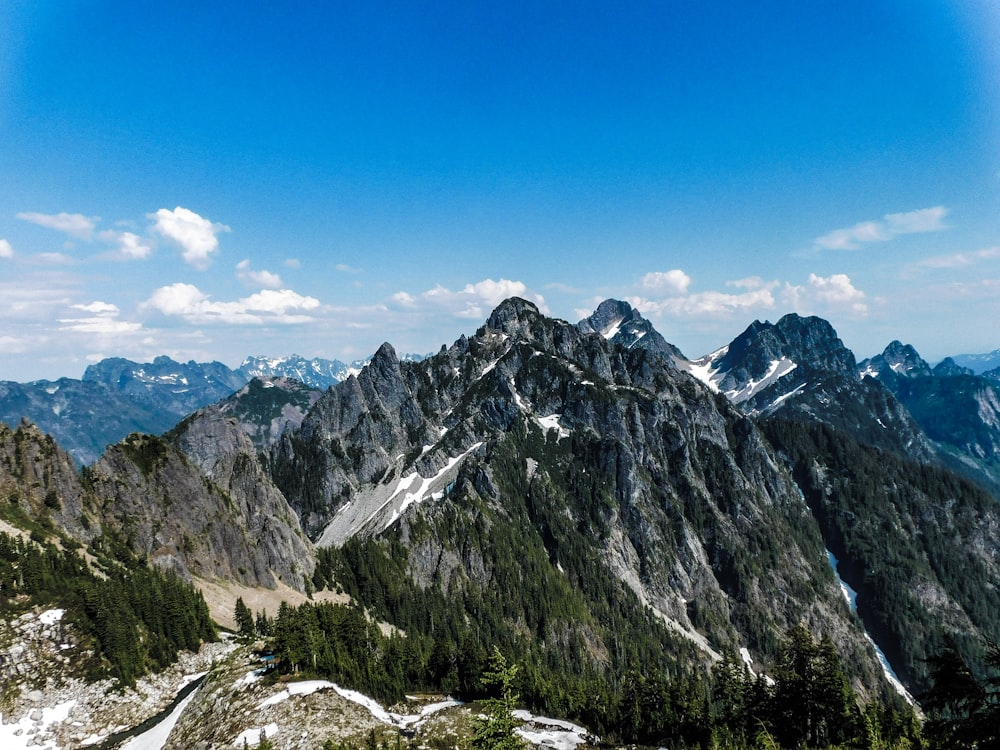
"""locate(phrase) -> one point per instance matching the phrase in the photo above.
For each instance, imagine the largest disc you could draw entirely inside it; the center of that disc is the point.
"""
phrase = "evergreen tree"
(496, 731)
(244, 620)
(964, 709)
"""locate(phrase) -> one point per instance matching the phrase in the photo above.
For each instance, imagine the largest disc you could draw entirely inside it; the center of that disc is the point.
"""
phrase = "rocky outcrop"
(215, 515)
(41, 482)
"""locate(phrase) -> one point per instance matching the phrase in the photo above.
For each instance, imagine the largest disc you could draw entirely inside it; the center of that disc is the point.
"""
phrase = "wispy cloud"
(186, 301)
(960, 260)
(344, 268)
(75, 225)
(257, 279)
(103, 320)
(884, 229)
(196, 236)
(6, 251)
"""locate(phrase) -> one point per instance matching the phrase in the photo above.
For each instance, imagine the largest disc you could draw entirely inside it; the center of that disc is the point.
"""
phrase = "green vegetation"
(495, 730)
(963, 709)
(899, 528)
(528, 580)
(137, 618)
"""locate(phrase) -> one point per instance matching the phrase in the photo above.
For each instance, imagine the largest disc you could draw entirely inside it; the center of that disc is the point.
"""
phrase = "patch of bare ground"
(221, 598)
(6, 528)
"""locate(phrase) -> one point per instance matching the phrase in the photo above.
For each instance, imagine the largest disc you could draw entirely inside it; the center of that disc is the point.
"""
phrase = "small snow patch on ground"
(379, 713)
(554, 733)
(51, 616)
(551, 422)
(26, 732)
(251, 737)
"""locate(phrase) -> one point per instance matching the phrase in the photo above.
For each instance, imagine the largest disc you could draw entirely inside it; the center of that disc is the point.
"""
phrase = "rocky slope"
(212, 515)
(47, 702)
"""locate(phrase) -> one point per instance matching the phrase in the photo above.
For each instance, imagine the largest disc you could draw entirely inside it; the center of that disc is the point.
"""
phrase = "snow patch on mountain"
(542, 731)
(705, 368)
(777, 369)
(550, 423)
(381, 505)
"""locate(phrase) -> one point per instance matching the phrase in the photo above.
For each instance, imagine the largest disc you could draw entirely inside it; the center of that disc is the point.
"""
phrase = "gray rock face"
(896, 361)
(214, 515)
(41, 481)
(799, 369)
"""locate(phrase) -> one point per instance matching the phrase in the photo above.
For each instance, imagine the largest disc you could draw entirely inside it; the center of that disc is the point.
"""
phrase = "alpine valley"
(770, 546)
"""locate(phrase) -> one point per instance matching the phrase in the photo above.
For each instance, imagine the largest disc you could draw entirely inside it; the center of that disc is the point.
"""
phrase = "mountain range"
(581, 496)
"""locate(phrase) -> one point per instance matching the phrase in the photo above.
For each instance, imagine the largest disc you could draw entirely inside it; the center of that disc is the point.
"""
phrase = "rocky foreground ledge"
(41, 706)
(236, 705)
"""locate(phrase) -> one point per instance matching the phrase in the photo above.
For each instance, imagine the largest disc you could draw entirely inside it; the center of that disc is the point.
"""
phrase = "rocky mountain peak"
(897, 360)
(513, 316)
(610, 314)
(948, 367)
(801, 340)
(620, 323)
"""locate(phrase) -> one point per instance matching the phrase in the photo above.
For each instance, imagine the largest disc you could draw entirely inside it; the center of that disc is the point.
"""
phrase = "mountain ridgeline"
(609, 514)
(603, 459)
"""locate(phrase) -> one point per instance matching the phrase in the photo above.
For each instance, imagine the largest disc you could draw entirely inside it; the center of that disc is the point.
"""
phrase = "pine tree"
(964, 708)
(496, 730)
(244, 620)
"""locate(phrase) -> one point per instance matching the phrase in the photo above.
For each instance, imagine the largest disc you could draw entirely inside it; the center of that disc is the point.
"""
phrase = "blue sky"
(268, 178)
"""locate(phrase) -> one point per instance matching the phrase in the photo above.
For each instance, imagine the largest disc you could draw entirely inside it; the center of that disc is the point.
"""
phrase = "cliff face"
(215, 515)
(40, 482)
(200, 504)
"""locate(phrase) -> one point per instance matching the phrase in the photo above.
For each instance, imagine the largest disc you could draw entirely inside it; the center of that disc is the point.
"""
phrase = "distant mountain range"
(117, 396)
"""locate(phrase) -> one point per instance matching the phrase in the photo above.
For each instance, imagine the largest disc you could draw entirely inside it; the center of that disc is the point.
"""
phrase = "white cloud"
(75, 225)
(6, 251)
(960, 260)
(668, 293)
(670, 282)
(704, 304)
(99, 308)
(891, 225)
(751, 283)
(195, 235)
(914, 222)
(474, 301)
(344, 268)
(292, 263)
(129, 246)
(834, 293)
(265, 307)
(259, 279)
(102, 321)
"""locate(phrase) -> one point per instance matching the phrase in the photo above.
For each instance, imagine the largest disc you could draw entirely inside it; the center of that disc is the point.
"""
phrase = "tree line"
(136, 618)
